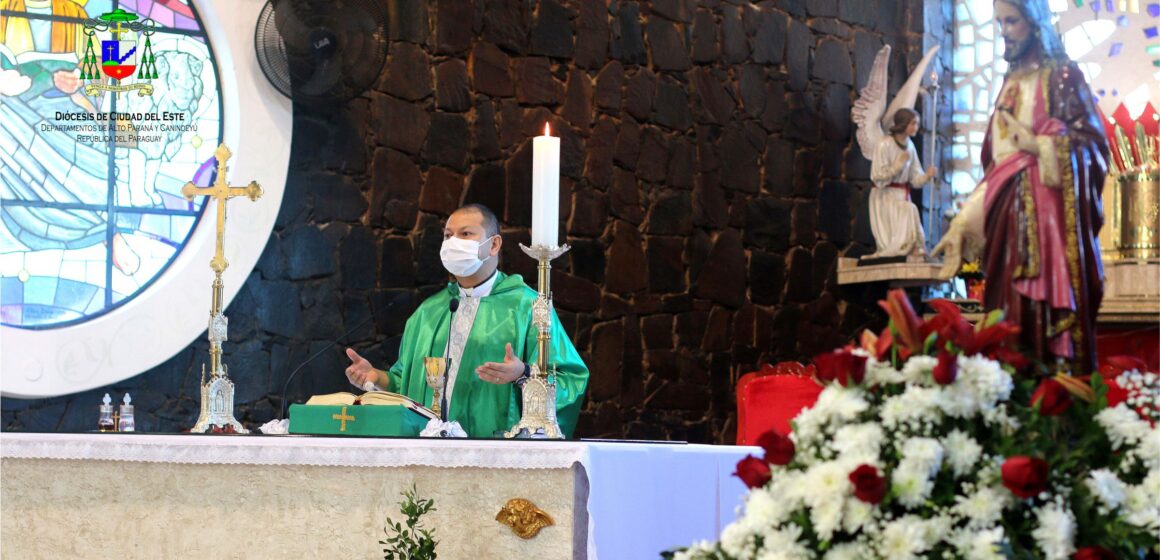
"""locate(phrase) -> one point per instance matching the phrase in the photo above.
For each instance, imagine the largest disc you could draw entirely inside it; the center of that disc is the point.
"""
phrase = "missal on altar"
(375, 413)
(384, 398)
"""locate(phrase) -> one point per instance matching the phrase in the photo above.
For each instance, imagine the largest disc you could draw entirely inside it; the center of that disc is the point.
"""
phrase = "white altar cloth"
(642, 497)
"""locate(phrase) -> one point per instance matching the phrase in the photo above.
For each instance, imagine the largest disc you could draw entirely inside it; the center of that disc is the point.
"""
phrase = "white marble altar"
(185, 496)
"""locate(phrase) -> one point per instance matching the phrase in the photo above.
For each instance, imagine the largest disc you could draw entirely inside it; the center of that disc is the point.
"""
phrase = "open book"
(372, 398)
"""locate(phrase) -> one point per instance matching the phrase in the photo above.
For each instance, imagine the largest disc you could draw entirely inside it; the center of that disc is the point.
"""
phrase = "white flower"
(785, 490)
(922, 454)
(919, 369)
(914, 406)
(837, 403)
(1055, 531)
(825, 482)
(962, 452)
(824, 487)
(982, 508)
(957, 401)
(812, 428)
(1149, 449)
(902, 539)
(998, 417)
(985, 379)
(826, 517)
(700, 550)
(881, 373)
(1142, 503)
(859, 443)
(783, 544)
(1104, 485)
(1143, 392)
(846, 551)
(858, 514)
(1123, 425)
(912, 484)
(936, 528)
(767, 508)
(806, 434)
(738, 539)
(976, 544)
(1151, 483)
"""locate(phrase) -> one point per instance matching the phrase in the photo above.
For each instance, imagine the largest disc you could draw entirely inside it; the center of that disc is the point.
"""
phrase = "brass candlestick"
(539, 392)
(217, 395)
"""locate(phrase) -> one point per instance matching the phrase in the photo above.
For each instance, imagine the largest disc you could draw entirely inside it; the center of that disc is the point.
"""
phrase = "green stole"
(505, 315)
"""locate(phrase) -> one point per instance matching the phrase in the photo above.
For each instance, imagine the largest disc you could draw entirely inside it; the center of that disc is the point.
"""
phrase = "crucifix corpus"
(217, 395)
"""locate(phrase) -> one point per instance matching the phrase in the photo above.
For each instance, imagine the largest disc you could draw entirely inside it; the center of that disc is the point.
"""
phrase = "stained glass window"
(978, 71)
(91, 211)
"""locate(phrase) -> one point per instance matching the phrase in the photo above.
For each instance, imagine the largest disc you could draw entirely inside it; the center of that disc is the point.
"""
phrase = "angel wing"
(870, 107)
(870, 112)
(908, 93)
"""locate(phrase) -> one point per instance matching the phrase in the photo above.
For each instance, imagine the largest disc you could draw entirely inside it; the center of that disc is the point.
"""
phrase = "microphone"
(290, 378)
(452, 306)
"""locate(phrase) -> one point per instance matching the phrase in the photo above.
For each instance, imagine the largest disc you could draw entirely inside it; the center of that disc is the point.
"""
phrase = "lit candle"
(545, 189)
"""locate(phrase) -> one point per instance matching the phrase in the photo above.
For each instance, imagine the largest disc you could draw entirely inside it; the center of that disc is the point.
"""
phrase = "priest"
(489, 337)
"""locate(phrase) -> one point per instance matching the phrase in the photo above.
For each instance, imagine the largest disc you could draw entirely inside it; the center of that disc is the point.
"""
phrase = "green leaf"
(928, 344)
(993, 318)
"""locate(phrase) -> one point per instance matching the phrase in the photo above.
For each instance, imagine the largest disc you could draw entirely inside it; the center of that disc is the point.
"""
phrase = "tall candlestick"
(545, 189)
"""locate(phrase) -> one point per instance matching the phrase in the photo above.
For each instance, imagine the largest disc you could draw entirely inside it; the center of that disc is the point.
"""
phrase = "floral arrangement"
(936, 440)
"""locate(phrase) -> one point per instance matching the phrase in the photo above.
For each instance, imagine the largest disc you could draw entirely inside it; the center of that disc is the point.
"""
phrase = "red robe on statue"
(1043, 214)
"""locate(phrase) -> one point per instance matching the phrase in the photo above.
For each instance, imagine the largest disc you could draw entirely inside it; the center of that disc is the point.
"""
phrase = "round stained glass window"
(107, 109)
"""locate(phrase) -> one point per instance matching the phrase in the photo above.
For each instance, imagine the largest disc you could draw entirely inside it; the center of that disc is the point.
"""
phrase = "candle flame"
(547, 131)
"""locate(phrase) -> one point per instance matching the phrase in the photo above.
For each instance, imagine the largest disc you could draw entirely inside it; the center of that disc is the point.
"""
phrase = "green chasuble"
(504, 316)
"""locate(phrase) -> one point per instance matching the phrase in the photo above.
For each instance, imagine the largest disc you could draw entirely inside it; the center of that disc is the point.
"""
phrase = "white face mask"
(461, 256)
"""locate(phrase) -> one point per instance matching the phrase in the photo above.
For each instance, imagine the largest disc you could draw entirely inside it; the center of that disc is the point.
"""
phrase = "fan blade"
(323, 83)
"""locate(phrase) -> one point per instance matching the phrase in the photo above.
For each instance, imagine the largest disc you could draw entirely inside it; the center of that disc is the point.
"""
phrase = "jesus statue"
(1036, 214)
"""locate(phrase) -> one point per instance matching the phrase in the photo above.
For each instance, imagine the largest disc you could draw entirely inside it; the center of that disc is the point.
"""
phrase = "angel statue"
(1035, 217)
(894, 166)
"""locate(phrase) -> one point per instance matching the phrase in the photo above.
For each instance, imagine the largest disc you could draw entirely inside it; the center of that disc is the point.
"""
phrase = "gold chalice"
(436, 369)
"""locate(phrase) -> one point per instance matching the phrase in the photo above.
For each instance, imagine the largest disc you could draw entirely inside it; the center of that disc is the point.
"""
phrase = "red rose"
(1093, 553)
(1025, 476)
(779, 450)
(843, 365)
(1052, 397)
(946, 369)
(869, 484)
(753, 471)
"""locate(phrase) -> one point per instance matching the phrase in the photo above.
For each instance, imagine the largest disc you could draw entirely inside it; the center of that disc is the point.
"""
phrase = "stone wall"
(709, 184)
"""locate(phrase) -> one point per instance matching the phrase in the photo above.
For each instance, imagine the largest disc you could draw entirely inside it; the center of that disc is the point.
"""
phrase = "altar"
(233, 496)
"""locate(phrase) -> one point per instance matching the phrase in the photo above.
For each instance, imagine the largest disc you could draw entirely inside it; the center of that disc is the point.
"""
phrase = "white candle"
(545, 189)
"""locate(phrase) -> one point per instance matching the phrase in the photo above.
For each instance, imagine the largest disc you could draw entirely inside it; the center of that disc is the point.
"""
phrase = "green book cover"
(355, 420)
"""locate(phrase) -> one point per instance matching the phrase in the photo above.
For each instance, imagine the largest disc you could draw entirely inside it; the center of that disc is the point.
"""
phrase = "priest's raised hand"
(500, 373)
(360, 372)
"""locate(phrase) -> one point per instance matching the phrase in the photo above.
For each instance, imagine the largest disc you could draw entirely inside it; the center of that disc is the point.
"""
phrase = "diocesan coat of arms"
(122, 58)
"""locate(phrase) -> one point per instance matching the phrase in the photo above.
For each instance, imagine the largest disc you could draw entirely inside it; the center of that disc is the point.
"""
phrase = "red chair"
(1142, 343)
(769, 398)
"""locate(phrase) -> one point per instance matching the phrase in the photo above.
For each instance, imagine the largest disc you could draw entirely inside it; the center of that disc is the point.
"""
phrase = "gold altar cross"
(343, 417)
(221, 191)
